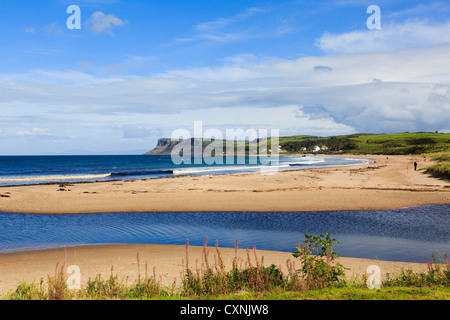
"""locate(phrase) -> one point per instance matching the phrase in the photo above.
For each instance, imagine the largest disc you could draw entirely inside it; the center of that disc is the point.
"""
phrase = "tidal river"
(410, 234)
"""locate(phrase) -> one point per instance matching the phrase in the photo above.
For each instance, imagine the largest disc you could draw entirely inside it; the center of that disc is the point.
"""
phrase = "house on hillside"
(317, 148)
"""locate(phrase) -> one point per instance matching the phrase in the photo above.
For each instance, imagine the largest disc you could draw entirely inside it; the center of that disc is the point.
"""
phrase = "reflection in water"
(409, 234)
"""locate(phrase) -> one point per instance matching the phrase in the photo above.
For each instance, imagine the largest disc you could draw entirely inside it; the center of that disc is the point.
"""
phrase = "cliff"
(164, 146)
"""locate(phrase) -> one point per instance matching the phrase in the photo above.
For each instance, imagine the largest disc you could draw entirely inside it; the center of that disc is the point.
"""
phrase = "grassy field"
(350, 293)
(434, 146)
(390, 144)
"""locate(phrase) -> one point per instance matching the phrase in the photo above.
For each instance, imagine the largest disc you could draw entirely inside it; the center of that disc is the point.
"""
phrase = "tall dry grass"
(208, 277)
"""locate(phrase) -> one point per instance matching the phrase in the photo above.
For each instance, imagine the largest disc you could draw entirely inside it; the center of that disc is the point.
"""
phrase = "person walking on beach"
(415, 166)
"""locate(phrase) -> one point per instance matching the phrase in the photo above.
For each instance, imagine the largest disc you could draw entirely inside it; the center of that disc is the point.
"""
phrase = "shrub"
(213, 279)
(317, 257)
(57, 285)
(25, 291)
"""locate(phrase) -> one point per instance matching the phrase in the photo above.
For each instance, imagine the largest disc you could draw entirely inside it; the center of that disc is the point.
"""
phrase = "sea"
(412, 234)
(22, 170)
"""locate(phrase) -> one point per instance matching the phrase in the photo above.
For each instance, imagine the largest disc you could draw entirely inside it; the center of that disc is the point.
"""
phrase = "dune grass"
(439, 170)
(442, 168)
(318, 278)
(441, 157)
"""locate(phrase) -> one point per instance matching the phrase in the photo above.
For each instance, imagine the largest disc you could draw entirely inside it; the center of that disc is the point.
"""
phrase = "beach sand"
(389, 182)
(385, 184)
(165, 260)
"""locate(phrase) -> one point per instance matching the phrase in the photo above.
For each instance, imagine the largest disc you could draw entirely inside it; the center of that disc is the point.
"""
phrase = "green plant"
(114, 288)
(250, 279)
(441, 157)
(436, 275)
(28, 291)
(57, 285)
(319, 268)
(212, 279)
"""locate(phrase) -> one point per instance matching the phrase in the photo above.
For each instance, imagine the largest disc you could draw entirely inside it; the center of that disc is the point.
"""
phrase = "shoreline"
(165, 260)
(383, 184)
(390, 182)
(67, 180)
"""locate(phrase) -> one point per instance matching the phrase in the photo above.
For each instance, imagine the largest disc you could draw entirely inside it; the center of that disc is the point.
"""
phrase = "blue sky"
(138, 70)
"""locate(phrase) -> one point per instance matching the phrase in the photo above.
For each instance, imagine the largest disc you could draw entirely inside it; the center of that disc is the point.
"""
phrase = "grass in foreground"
(349, 293)
(319, 278)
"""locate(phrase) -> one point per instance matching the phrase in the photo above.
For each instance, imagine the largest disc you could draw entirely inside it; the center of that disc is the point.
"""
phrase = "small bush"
(114, 288)
(317, 257)
(57, 285)
(28, 291)
(213, 279)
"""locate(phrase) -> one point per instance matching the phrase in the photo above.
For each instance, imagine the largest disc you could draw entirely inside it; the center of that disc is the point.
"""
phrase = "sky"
(136, 71)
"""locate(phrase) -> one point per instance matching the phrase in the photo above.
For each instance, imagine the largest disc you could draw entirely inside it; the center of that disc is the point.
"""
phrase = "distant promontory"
(393, 144)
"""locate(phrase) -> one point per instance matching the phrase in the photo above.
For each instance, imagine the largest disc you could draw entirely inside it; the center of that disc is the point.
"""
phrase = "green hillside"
(433, 145)
(390, 144)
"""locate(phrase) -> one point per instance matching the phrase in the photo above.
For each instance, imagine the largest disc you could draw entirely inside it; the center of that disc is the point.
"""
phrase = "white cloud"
(84, 65)
(54, 28)
(133, 63)
(424, 9)
(99, 22)
(412, 33)
(34, 132)
(404, 90)
(30, 30)
(252, 23)
(225, 22)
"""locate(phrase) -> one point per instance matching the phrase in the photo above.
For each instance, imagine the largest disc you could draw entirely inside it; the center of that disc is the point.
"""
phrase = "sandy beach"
(165, 260)
(389, 182)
